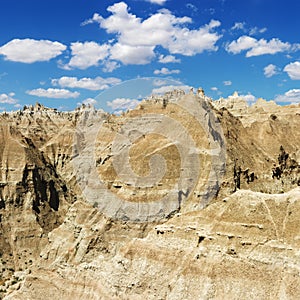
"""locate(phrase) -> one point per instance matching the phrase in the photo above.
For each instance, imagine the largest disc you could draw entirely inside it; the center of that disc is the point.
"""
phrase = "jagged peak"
(263, 103)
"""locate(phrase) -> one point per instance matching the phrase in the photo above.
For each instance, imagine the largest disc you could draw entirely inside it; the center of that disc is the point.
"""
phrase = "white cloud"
(110, 66)
(168, 88)
(291, 96)
(95, 84)
(256, 30)
(293, 70)
(252, 31)
(242, 43)
(87, 54)
(62, 65)
(122, 104)
(257, 47)
(238, 26)
(214, 88)
(159, 82)
(249, 98)
(53, 93)
(227, 82)
(191, 42)
(159, 2)
(168, 59)
(95, 19)
(270, 70)
(295, 47)
(138, 38)
(166, 71)
(90, 101)
(30, 51)
(272, 47)
(8, 98)
(132, 55)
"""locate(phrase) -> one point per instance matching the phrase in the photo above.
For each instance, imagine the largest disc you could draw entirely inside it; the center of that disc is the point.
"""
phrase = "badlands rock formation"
(58, 242)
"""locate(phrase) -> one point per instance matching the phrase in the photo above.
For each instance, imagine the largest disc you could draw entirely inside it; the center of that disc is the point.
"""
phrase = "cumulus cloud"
(94, 84)
(87, 54)
(132, 55)
(168, 88)
(90, 101)
(242, 43)
(30, 51)
(8, 98)
(168, 59)
(161, 29)
(166, 71)
(227, 82)
(95, 19)
(122, 104)
(53, 93)
(272, 47)
(270, 70)
(257, 47)
(293, 70)
(159, 2)
(110, 66)
(290, 97)
(249, 98)
(214, 88)
(191, 42)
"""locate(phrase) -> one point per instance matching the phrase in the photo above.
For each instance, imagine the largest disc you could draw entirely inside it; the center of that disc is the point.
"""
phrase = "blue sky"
(65, 52)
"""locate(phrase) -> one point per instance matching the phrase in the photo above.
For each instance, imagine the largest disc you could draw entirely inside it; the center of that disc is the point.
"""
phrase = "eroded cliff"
(244, 244)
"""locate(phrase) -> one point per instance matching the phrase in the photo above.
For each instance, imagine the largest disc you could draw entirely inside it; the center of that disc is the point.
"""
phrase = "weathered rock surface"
(244, 247)
(245, 244)
(259, 141)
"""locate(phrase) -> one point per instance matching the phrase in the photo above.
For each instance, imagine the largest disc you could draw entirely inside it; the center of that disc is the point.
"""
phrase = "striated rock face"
(260, 142)
(33, 197)
(152, 160)
(246, 246)
(54, 244)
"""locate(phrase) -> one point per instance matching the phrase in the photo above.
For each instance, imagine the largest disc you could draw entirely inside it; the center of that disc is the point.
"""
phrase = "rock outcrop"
(54, 244)
(246, 246)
